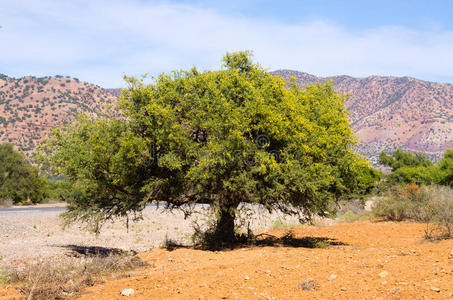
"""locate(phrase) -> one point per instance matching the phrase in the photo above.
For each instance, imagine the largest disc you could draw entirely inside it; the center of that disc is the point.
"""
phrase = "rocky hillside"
(30, 107)
(386, 112)
(394, 112)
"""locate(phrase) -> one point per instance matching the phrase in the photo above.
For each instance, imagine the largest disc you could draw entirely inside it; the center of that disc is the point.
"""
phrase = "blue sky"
(99, 41)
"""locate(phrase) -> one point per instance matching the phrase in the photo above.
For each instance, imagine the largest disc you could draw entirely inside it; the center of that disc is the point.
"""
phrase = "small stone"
(435, 289)
(246, 277)
(383, 274)
(267, 271)
(332, 277)
(127, 292)
(307, 285)
(344, 289)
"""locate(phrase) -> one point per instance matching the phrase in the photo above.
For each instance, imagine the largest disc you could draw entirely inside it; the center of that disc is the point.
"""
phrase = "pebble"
(246, 277)
(127, 292)
(344, 289)
(332, 277)
(435, 289)
(383, 274)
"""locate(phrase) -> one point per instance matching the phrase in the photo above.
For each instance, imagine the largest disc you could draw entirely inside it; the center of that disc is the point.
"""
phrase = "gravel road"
(34, 233)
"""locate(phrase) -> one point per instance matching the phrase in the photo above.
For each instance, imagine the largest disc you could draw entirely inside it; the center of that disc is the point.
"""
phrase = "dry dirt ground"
(365, 260)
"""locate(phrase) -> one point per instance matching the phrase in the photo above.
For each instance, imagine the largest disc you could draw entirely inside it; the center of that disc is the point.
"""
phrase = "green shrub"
(349, 217)
(20, 181)
(401, 203)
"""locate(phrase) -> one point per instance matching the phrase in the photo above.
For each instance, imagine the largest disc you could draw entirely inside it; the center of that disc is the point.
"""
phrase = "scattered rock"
(307, 285)
(127, 292)
(246, 277)
(267, 271)
(344, 289)
(435, 289)
(383, 274)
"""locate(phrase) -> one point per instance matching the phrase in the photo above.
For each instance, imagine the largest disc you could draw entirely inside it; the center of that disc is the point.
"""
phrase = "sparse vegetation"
(63, 277)
(432, 205)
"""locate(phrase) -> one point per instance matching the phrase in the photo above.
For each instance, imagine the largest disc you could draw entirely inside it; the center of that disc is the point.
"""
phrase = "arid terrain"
(31, 107)
(360, 260)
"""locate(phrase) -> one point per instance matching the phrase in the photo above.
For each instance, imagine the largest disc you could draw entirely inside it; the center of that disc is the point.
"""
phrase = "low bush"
(401, 203)
(432, 205)
(438, 214)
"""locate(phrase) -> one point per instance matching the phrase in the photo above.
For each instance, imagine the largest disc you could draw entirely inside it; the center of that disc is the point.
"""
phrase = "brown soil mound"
(361, 260)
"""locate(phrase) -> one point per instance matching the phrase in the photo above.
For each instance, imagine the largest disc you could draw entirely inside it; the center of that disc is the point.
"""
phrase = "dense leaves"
(221, 138)
(19, 180)
(415, 168)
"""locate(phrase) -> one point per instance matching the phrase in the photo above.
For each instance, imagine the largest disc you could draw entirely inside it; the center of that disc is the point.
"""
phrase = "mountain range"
(387, 113)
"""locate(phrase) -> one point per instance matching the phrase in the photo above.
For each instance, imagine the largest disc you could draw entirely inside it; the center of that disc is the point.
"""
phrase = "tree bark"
(225, 225)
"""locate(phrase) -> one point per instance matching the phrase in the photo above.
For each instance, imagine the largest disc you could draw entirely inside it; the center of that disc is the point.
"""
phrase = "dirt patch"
(363, 260)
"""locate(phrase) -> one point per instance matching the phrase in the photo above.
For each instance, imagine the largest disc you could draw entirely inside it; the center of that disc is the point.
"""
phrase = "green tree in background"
(408, 168)
(400, 159)
(445, 169)
(237, 135)
(19, 180)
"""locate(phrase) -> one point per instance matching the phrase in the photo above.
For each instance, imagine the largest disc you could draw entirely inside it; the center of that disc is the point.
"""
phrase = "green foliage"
(408, 168)
(400, 159)
(219, 138)
(19, 180)
(349, 216)
(59, 190)
(418, 175)
(365, 179)
(445, 169)
(415, 168)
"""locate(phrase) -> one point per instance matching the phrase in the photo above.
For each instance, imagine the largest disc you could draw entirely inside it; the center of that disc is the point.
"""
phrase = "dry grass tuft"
(65, 277)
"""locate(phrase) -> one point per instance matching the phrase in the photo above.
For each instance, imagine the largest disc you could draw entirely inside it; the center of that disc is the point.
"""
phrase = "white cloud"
(99, 41)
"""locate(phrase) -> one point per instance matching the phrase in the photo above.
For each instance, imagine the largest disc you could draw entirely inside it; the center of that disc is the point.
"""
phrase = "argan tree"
(226, 137)
(20, 182)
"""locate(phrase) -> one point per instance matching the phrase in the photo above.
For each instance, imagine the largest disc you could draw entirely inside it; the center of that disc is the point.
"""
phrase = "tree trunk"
(225, 225)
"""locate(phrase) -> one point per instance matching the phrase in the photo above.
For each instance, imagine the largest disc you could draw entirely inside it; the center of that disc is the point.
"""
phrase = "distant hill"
(386, 112)
(394, 112)
(30, 107)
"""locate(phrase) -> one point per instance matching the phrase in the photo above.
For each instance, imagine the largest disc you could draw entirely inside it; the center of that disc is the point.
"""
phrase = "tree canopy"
(19, 180)
(220, 137)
